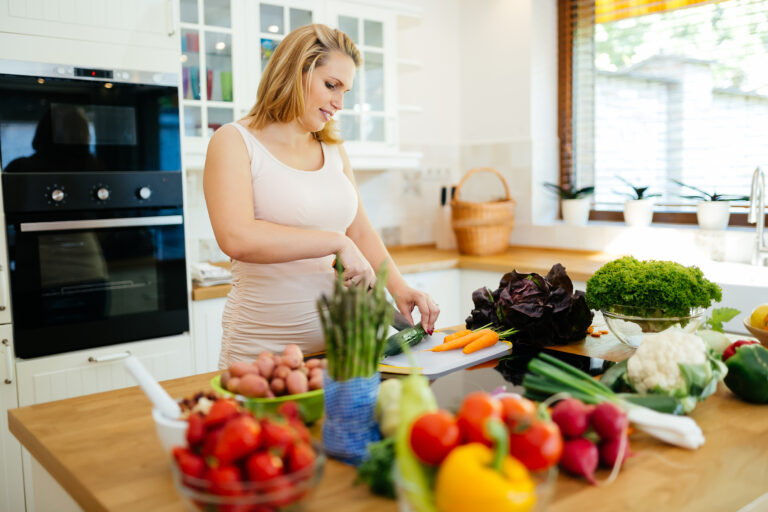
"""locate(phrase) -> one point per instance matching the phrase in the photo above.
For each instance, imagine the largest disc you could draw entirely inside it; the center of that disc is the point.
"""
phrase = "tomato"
(517, 411)
(433, 436)
(475, 410)
(537, 447)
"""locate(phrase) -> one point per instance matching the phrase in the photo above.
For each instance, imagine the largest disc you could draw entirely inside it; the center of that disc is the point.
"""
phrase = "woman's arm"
(361, 231)
(229, 197)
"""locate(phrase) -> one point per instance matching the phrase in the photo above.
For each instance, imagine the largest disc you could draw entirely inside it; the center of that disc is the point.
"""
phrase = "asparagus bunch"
(355, 322)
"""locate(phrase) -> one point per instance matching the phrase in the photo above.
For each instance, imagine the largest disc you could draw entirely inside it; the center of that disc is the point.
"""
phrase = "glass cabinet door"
(275, 21)
(365, 110)
(206, 65)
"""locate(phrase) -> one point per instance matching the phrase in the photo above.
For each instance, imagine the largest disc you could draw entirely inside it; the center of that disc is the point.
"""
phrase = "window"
(653, 91)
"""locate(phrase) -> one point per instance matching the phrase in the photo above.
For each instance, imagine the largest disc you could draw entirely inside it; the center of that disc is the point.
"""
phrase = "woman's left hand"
(409, 298)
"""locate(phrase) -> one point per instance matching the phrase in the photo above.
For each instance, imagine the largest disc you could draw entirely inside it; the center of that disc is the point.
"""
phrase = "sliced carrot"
(460, 342)
(457, 334)
(590, 329)
(488, 364)
(484, 341)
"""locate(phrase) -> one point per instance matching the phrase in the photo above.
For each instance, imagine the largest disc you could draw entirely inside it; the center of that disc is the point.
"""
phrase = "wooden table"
(103, 450)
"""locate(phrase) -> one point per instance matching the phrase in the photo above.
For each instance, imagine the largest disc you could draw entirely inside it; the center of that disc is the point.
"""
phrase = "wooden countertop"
(579, 264)
(103, 450)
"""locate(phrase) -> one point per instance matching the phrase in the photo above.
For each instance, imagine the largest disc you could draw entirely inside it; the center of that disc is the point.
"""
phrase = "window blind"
(653, 91)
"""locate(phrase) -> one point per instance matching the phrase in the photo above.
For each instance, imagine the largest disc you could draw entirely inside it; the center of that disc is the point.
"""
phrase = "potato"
(281, 372)
(233, 384)
(324, 363)
(241, 368)
(296, 383)
(315, 373)
(312, 363)
(278, 360)
(292, 356)
(265, 365)
(303, 369)
(316, 382)
(277, 386)
(254, 386)
(225, 376)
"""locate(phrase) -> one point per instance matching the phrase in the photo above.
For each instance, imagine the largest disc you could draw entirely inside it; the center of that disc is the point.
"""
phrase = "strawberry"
(263, 466)
(301, 430)
(221, 411)
(239, 437)
(211, 440)
(278, 435)
(225, 480)
(289, 410)
(189, 463)
(300, 456)
(195, 430)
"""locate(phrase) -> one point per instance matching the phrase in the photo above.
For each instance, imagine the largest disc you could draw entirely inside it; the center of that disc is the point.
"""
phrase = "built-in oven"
(92, 193)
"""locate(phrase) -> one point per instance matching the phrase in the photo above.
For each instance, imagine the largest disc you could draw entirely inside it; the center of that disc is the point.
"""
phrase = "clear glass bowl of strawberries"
(236, 461)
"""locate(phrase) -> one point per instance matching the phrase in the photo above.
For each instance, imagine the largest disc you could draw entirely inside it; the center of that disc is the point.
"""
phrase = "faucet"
(757, 215)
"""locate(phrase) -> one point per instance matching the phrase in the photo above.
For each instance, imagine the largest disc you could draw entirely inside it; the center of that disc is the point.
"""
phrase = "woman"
(283, 202)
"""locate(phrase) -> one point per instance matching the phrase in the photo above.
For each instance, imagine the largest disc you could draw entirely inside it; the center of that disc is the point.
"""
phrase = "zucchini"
(410, 337)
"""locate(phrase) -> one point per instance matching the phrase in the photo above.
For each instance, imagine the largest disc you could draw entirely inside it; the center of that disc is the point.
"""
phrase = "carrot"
(460, 342)
(457, 334)
(590, 329)
(486, 340)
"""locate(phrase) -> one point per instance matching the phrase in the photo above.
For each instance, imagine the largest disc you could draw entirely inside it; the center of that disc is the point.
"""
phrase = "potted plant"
(574, 202)
(713, 210)
(638, 209)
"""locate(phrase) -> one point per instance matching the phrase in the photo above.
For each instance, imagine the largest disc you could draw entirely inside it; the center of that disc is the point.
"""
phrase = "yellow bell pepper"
(474, 477)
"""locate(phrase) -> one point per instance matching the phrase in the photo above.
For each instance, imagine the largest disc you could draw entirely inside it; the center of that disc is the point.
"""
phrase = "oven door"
(95, 280)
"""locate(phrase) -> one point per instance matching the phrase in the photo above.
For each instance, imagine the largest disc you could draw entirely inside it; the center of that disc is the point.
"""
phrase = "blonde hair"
(281, 97)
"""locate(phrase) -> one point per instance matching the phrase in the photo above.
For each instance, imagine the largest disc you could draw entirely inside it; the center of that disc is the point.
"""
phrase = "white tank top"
(274, 304)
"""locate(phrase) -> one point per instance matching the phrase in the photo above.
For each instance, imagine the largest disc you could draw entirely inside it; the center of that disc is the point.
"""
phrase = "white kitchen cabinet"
(444, 287)
(44, 379)
(11, 480)
(206, 332)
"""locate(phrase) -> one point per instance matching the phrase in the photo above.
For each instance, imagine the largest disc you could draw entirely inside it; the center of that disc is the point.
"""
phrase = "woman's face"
(326, 91)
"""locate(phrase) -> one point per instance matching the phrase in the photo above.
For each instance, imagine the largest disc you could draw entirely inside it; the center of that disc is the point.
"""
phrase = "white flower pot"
(713, 215)
(638, 212)
(576, 211)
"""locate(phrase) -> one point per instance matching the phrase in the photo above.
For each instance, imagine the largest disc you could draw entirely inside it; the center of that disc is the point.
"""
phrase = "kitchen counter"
(579, 264)
(103, 450)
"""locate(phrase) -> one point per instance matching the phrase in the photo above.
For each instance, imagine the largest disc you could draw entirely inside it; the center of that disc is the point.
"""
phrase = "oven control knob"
(57, 195)
(102, 193)
(144, 192)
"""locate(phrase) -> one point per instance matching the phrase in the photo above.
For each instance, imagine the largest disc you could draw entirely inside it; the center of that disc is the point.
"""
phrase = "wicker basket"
(482, 228)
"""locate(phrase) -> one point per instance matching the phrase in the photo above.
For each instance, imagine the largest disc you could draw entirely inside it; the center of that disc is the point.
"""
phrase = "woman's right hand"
(357, 269)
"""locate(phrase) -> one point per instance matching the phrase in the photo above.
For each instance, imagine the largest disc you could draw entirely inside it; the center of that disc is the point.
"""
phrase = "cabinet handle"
(8, 362)
(170, 17)
(110, 357)
(3, 289)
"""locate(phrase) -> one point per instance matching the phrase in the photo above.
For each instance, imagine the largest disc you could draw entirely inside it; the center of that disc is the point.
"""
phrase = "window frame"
(567, 18)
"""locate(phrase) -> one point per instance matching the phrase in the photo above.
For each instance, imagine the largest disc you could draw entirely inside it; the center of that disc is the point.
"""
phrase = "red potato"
(241, 368)
(281, 372)
(315, 373)
(296, 382)
(233, 384)
(277, 386)
(254, 386)
(324, 363)
(266, 365)
(303, 369)
(312, 363)
(316, 382)
(292, 356)
(278, 360)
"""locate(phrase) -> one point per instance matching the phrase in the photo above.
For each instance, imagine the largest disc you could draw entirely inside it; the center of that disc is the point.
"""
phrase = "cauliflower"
(654, 367)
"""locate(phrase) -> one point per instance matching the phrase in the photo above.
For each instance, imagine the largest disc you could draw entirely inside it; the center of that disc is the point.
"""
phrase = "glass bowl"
(311, 404)
(286, 492)
(629, 323)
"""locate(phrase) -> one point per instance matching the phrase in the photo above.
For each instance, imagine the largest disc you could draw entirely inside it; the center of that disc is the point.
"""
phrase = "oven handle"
(8, 362)
(127, 222)
(110, 357)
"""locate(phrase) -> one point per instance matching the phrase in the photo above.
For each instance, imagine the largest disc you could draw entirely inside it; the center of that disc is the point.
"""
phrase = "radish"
(580, 458)
(571, 415)
(609, 421)
(609, 451)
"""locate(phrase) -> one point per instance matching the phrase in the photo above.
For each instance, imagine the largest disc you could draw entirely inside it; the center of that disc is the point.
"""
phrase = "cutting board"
(437, 364)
